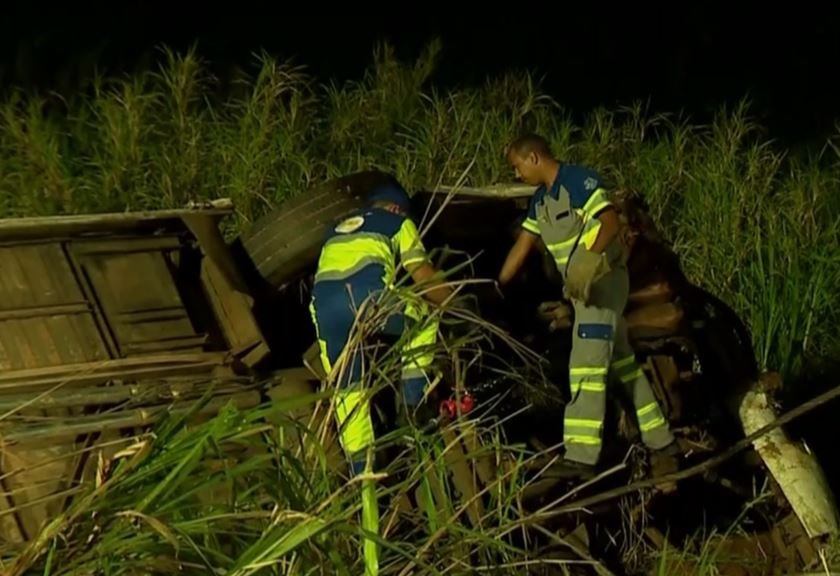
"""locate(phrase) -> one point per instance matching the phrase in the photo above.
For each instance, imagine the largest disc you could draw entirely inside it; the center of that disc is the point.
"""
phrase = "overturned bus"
(107, 321)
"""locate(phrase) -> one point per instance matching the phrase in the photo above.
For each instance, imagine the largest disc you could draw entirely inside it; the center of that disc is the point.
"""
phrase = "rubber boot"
(573, 470)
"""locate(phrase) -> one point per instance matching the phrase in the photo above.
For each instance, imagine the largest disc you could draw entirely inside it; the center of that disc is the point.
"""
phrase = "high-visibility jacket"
(359, 259)
(362, 251)
(565, 215)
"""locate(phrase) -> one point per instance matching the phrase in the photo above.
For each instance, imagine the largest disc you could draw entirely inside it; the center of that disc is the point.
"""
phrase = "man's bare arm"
(517, 256)
(610, 225)
(425, 273)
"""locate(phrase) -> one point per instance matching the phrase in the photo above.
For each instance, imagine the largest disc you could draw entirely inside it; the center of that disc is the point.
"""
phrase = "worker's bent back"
(358, 260)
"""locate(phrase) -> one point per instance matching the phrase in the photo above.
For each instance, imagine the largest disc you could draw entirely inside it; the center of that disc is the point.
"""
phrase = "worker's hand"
(585, 268)
(558, 315)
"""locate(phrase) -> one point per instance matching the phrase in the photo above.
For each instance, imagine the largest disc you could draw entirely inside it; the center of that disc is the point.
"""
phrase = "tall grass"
(752, 224)
(261, 492)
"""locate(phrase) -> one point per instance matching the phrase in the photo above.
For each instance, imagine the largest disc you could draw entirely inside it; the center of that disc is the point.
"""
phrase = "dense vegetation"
(754, 225)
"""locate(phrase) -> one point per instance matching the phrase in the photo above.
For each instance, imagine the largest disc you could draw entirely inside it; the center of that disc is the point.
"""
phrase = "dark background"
(693, 59)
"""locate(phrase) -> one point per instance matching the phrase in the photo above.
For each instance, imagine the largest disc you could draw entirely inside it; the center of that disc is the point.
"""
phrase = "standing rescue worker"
(571, 212)
(358, 266)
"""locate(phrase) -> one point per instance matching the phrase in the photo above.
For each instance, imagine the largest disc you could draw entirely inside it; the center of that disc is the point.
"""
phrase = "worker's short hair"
(527, 143)
(390, 192)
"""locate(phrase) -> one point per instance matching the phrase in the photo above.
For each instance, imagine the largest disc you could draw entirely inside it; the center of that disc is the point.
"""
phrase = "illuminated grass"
(755, 227)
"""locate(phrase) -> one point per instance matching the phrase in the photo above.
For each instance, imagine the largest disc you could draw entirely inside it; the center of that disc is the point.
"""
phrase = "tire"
(284, 244)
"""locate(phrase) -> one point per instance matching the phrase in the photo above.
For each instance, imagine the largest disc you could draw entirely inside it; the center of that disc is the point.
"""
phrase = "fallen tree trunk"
(705, 466)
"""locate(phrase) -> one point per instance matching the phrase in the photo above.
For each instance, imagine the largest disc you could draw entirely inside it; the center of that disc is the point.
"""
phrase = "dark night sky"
(693, 59)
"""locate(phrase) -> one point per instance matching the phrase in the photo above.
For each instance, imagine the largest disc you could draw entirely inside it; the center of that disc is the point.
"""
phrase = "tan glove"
(585, 268)
(558, 315)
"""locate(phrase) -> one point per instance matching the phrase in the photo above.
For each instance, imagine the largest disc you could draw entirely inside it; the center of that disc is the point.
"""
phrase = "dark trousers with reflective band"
(601, 353)
(334, 314)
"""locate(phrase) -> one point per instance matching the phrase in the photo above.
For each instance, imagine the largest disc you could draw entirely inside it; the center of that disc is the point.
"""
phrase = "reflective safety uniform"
(357, 266)
(359, 261)
(565, 216)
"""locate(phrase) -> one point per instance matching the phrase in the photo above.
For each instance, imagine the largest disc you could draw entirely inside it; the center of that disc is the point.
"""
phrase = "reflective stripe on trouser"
(333, 316)
(600, 341)
(418, 352)
(654, 427)
(333, 319)
(592, 347)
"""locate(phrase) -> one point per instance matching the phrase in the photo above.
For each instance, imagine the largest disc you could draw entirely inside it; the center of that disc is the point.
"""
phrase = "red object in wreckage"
(450, 407)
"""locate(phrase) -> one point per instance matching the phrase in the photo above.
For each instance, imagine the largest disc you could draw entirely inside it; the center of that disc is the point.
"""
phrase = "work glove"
(585, 268)
(558, 315)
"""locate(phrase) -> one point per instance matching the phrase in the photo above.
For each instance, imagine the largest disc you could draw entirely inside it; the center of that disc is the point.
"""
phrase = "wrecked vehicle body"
(682, 333)
(696, 351)
(105, 322)
(232, 312)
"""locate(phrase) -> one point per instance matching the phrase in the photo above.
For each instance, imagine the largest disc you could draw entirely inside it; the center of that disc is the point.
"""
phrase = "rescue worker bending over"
(571, 212)
(359, 260)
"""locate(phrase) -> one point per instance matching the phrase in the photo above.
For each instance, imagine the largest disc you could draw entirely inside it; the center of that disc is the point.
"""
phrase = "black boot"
(663, 462)
(571, 469)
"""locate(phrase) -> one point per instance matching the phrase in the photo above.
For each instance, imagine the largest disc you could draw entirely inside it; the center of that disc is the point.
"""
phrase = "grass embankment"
(755, 227)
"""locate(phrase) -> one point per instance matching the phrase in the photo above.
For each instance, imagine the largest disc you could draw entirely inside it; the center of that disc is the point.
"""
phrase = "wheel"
(284, 243)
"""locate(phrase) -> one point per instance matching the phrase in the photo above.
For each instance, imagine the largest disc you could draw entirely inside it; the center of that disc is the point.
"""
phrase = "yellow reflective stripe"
(647, 427)
(531, 226)
(588, 378)
(413, 257)
(419, 351)
(624, 362)
(346, 254)
(356, 427)
(562, 251)
(345, 239)
(583, 423)
(411, 373)
(588, 238)
(362, 263)
(561, 245)
(637, 373)
(409, 244)
(325, 358)
(581, 439)
(597, 201)
(416, 309)
(587, 387)
(588, 371)
(418, 361)
(647, 409)
(597, 208)
(322, 344)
